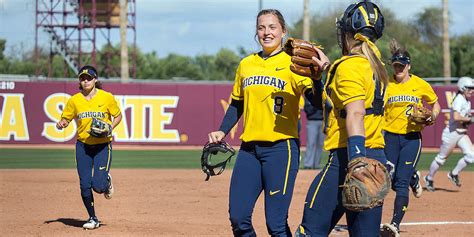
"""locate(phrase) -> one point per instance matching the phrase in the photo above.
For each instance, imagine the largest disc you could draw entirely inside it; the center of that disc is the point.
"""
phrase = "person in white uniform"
(454, 134)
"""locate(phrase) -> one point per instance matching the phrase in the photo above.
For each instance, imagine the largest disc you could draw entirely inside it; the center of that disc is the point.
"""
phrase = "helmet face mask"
(208, 165)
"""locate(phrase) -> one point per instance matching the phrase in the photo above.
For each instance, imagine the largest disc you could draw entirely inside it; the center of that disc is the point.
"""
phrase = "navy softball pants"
(93, 165)
(323, 207)
(267, 166)
(403, 150)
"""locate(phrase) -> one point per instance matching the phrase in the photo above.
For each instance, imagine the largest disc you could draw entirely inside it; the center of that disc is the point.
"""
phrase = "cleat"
(429, 184)
(110, 190)
(416, 188)
(389, 230)
(454, 179)
(91, 224)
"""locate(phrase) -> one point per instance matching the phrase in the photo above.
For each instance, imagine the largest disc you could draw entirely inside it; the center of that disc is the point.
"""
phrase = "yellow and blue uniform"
(101, 106)
(269, 95)
(92, 153)
(349, 79)
(403, 137)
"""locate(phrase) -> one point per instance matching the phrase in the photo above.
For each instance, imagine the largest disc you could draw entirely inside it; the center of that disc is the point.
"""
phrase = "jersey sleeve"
(113, 107)
(349, 83)
(301, 83)
(237, 93)
(429, 95)
(457, 103)
(69, 110)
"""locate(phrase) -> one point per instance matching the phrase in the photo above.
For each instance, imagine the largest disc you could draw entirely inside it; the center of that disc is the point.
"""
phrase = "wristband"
(356, 147)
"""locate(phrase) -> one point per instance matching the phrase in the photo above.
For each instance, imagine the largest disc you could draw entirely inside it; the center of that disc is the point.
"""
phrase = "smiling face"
(270, 33)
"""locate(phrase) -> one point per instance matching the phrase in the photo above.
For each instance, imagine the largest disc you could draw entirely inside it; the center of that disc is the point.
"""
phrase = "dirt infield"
(179, 202)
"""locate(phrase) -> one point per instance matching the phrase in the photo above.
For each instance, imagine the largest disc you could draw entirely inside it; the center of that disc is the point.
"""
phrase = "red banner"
(155, 113)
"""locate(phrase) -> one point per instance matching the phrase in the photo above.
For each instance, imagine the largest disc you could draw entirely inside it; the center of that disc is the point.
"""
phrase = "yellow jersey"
(271, 93)
(101, 106)
(353, 80)
(401, 97)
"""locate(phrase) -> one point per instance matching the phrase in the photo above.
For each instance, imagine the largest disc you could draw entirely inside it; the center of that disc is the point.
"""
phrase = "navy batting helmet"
(364, 18)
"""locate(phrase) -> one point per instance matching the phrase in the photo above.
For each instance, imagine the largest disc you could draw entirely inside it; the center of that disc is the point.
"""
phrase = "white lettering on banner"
(53, 107)
(7, 85)
(13, 118)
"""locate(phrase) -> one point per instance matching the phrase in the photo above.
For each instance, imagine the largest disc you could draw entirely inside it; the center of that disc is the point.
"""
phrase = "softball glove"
(301, 53)
(421, 115)
(366, 185)
(100, 128)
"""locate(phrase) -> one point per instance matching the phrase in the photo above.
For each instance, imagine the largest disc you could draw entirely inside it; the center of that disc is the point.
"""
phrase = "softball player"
(267, 94)
(402, 136)
(454, 134)
(354, 97)
(93, 155)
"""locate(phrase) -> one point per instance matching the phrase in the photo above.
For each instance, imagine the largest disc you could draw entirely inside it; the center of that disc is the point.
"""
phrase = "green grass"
(176, 159)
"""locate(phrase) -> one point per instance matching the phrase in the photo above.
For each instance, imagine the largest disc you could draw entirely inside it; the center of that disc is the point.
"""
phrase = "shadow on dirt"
(69, 222)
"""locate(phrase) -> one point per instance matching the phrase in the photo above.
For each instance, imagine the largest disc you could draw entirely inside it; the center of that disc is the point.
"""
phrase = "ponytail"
(375, 63)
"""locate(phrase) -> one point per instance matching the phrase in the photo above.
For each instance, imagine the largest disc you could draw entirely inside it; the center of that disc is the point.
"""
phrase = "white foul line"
(440, 223)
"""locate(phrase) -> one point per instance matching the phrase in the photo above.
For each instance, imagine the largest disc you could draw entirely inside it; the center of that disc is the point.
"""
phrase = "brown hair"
(397, 48)
(98, 85)
(274, 12)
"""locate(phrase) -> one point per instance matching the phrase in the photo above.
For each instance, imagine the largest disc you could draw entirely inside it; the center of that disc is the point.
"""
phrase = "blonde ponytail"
(375, 63)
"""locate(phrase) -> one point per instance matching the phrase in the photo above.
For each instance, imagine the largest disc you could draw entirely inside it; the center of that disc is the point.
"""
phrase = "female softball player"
(267, 94)
(354, 97)
(403, 136)
(454, 134)
(93, 151)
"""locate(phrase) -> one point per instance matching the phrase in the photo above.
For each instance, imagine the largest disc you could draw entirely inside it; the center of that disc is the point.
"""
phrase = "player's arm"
(456, 107)
(116, 120)
(459, 118)
(67, 115)
(436, 108)
(231, 117)
(355, 128)
(63, 123)
(315, 95)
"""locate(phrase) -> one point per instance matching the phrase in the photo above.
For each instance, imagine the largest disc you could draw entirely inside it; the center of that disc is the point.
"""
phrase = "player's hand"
(62, 124)
(216, 136)
(323, 61)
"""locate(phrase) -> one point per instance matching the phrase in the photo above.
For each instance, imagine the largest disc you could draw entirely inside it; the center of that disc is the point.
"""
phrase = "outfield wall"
(157, 113)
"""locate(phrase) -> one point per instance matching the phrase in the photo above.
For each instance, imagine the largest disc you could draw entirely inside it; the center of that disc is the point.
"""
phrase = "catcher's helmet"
(211, 149)
(465, 83)
(363, 17)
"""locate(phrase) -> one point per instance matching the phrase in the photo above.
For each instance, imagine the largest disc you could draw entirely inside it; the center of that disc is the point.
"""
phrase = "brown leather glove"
(366, 185)
(301, 53)
(421, 115)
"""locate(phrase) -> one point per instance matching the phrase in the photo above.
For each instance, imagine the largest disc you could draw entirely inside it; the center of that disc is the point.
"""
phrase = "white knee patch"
(440, 160)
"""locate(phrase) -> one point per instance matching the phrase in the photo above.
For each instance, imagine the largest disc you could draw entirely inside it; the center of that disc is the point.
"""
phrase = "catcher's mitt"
(366, 185)
(421, 115)
(301, 52)
(100, 128)
(212, 149)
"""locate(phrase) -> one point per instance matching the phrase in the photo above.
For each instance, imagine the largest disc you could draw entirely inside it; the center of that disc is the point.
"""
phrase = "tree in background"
(421, 35)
